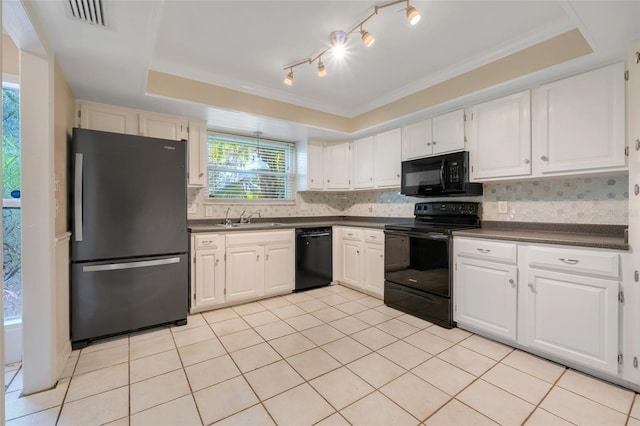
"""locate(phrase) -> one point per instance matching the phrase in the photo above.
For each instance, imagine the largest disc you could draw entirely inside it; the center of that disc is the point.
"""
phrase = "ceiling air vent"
(89, 11)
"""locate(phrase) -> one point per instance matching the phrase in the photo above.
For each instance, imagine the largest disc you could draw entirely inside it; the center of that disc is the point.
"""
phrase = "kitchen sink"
(252, 225)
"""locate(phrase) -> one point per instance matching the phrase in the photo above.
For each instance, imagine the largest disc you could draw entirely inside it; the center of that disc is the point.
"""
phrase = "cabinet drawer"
(575, 261)
(259, 238)
(488, 250)
(352, 234)
(375, 237)
(210, 241)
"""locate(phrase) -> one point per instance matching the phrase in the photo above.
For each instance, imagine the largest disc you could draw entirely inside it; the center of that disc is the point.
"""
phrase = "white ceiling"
(243, 45)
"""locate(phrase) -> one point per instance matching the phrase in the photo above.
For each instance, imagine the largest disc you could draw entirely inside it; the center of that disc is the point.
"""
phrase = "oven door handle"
(442, 174)
(427, 235)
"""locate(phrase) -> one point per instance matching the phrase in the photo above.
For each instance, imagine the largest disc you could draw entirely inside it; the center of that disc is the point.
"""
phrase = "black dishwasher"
(314, 264)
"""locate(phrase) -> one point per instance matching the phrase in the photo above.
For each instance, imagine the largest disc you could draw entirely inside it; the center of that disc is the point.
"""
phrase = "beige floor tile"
(229, 326)
(322, 334)
(179, 412)
(312, 363)
(635, 410)
(329, 314)
(341, 387)
(103, 344)
(193, 335)
(597, 390)
(468, 360)
(373, 338)
(274, 302)
(346, 349)
(495, 403)
(312, 305)
(348, 325)
(249, 308)
(443, 375)
(351, 307)
(288, 311)
(415, 395)
(370, 302)
(353, 294)
(372, 317)
(219, 315)
(391, 312)
(397, 328)
(153, 365)
(428, 342)
(273, 379)
(531, 364)
(544, 418)
(16, 383)
(158, 390)
(274, 330)
(146, 347)
(415, 321)
(404, 354)
(41, 418)
(333, 299)
(335, 288)
(18, 406)
(260, 318)
(486, 347)
(69, 367)
(298, 297)
(211, 372)
(255, 357)
(303, 322)
(102, 359)
(579, 410)
(193, 321)
(633, 422)
(452, 334)
(201, 351)
(376, 369)
(255, 415)
(377, 409)
(97, 409)
(98, 381)
(224, 399)
(138, 336)
(240, 340)
(522, 385)
(333, 420)
(456, 413)
(124, 421)
(298, 406)
(291, 344)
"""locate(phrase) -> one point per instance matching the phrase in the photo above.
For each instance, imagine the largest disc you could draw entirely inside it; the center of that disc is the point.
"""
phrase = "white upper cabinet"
(578, 122)
(162, 126)
(197, 175)
(500, 137)
(387, 158)
(337, 162)
(363, 163)
(107, 118)
(416, 140)
(315, 166)
(448, 132)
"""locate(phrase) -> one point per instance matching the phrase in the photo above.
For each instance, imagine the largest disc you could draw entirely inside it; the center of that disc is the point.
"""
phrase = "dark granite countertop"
(582, 235)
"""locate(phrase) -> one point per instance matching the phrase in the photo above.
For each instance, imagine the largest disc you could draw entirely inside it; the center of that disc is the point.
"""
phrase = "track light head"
(338, 40)
(288, 80)
(322, 71)
(367, 38)
(413, 16)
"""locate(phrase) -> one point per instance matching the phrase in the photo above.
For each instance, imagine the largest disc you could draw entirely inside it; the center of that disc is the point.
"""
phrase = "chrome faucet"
(227, 222)
(242, 218)
(251, 215)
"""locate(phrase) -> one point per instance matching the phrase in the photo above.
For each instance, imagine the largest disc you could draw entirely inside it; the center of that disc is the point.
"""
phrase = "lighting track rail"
(338, 39)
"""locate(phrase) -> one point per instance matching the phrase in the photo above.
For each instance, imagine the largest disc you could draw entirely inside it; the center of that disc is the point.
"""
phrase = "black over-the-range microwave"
(442, 175)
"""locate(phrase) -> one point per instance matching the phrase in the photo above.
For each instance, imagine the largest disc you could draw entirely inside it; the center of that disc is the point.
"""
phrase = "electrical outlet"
(208, 211)
(503, 207)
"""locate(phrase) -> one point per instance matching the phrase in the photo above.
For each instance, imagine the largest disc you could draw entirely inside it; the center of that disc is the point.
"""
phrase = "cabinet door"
(374, 268)
(162, 126)
(363, 163)
(197, 175)
(500, 139)
(209, 278)
(579, 122)
(486, 296)
(245, 272)
(338, 166)
(416, 140)
(387, 156)
(315, 166)
(279, 262)
(448, 132)
(351, 263)
(574, 317)
(108, 119)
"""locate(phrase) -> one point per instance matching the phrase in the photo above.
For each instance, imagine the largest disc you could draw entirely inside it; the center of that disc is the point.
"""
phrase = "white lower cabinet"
(351, 264)
(374, 268)
(208, 271)
(245, 273)
(279, 274)
(359, 259)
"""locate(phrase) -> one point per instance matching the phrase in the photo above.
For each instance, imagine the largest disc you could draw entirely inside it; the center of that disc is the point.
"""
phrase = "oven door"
(418, 260)
(425, 176)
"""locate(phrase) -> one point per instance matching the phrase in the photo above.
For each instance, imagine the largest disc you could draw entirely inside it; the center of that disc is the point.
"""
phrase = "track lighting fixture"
(338, 39)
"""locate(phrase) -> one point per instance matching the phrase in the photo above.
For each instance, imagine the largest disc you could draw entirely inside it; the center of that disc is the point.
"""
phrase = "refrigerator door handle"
(130, 265)
(77, 205)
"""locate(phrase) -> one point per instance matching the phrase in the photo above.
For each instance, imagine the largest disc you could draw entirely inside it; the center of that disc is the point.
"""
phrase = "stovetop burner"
(441, 217)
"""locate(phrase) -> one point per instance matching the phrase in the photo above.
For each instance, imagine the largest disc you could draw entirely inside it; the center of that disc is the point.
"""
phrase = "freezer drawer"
(116, 297)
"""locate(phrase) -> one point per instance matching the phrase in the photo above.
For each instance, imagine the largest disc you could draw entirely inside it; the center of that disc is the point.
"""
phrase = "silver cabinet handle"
(544, 158)
(530, 285)
(130, 265)
(511, 281)
(381, 256)
(569, 261)
(77, 203)
(266, 257)
(397, 175)
(373, 237)
(412, 280)
(201, 174)
(428, 143)
(206, 243)
(434, 142)
(217, 261)
(483, 251)
(257, 258)
(636, 189)
(526, 161)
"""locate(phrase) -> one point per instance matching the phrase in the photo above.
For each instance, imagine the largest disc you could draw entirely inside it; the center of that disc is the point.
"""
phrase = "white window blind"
(247, 168)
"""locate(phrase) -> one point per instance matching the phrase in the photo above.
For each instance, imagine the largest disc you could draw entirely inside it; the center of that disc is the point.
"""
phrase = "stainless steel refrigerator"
(129, 262)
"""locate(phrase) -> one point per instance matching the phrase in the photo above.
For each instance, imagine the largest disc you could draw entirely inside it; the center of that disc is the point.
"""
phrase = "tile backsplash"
(597, 200)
